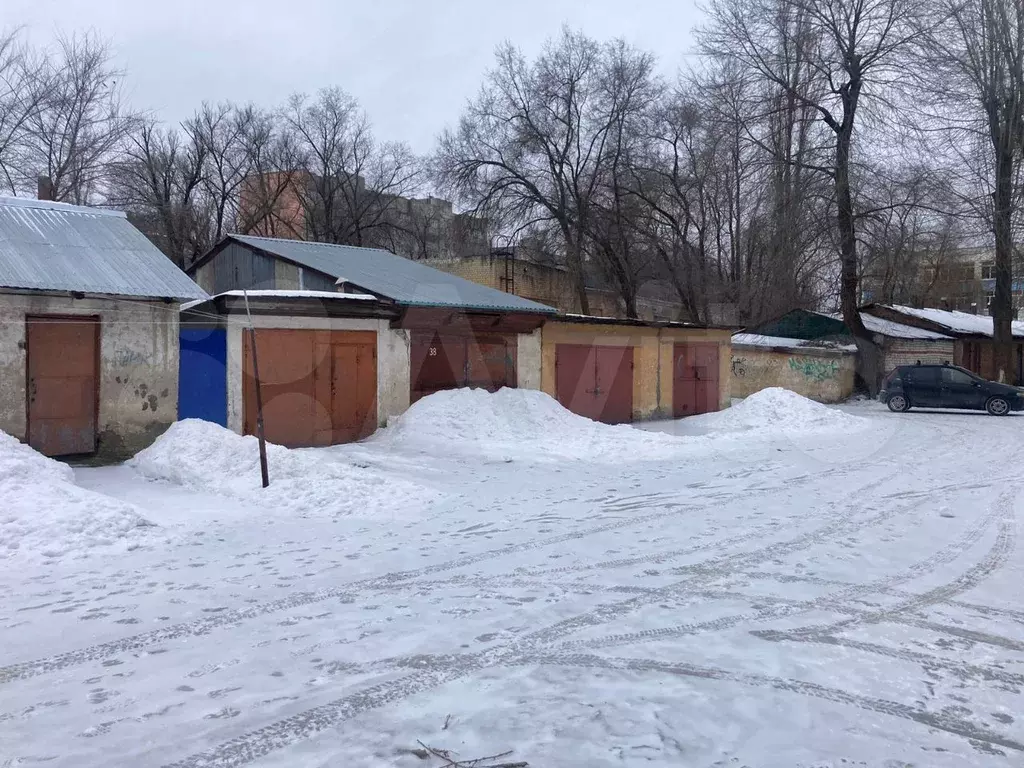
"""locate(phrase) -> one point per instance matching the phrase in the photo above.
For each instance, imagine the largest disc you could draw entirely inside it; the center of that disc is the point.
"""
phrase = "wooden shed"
(618, 371)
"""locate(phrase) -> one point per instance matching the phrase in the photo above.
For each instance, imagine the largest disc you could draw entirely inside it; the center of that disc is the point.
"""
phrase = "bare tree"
(20, 92)
(973, 66)
(158, 179)
(78, 121)
(616, 222)
(347, 181)
(529, 148)
(911, 231)
(222, 131)
(856, 49)
(267, 204)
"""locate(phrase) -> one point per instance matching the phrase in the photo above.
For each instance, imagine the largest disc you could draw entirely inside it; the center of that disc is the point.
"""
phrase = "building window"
(988, 270)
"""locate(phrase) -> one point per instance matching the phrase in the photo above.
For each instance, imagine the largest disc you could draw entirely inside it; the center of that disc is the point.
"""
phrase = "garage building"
(618, 371)
(415, 329)
(88, 330)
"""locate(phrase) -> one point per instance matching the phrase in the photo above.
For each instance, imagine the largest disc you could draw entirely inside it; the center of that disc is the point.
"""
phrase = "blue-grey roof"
(406, 282)
(57, 247)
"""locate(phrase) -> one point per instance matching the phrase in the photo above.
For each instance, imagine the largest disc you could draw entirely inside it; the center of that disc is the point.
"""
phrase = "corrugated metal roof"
(406, 282)
(57, 247)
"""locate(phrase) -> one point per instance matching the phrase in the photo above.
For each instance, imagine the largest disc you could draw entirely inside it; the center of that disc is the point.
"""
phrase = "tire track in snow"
(206, 625)
(961, 670)
(716, 568)
(304, 725)
(754, 534)
(443, 670)
(940, 720)
(985, 610)
(839, 601)
(997, 555)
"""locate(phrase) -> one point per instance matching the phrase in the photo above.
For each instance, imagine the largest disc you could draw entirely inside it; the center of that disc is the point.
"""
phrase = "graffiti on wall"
(739, 366)
(814, 369)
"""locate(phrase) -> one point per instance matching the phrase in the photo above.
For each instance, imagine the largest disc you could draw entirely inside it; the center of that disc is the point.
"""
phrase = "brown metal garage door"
(595, 381)
(318, 387)
(695, 379)
(63, 360)
(441, 361)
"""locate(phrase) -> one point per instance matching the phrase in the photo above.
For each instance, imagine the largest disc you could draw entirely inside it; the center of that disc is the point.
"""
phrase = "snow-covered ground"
(773, 586)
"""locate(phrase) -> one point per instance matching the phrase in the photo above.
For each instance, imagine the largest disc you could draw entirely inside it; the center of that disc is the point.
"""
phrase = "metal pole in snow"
(259, 396)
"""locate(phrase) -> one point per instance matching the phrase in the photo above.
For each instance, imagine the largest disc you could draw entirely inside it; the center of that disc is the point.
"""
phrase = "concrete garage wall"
(652, 359)
(138, 375)
(528, 360)
(669, 337)
(824, 375)
(393, 361)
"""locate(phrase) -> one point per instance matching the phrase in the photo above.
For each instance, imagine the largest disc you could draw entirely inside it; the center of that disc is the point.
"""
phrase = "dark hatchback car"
(947, 386)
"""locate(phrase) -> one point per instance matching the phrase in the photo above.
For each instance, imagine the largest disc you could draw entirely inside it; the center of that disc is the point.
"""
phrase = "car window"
(925, 375)
(955, 377)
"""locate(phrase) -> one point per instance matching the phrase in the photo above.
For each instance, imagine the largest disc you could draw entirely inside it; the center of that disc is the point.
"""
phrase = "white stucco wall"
(392, 359)
(528, 360)
(138, 373)
(394, 369)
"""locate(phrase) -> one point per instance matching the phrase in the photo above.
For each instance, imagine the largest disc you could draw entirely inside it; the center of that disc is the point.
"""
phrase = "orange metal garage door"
(62, 404)
(319, 387)
(595, 381)
(441, 361)
(695, 379)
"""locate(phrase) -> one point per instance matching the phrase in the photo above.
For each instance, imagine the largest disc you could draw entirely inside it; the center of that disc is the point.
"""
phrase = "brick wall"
(909, 351)
(549, 285)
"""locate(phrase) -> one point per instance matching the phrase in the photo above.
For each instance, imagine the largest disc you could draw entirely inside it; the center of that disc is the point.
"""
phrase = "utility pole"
(264, 472)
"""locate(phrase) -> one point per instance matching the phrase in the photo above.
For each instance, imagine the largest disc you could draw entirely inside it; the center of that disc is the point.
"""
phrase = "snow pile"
(779, 410)
(518, 424)
(206, 457)
(43, 512)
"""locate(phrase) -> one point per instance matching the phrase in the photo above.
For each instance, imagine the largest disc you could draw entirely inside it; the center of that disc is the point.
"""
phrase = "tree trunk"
(869, 357)
(1002, 302)
(574, 259)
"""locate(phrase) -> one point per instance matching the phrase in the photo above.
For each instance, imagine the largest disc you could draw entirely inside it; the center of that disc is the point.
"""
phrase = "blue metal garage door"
(202, 375)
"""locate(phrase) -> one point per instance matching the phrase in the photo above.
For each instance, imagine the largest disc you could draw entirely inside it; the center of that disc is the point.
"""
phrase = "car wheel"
(997, 406)
(898, 404)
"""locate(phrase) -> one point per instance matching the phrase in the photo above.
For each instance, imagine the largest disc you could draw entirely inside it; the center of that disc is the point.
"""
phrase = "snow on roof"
(895, 330)
(781, 342)
(955, 321)
(257, 294)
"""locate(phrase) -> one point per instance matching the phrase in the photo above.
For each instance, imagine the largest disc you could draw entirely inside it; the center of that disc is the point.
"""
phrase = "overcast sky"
(411, 63)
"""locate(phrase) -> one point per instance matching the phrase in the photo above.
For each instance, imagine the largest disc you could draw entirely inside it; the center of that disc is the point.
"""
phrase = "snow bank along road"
(833, 598)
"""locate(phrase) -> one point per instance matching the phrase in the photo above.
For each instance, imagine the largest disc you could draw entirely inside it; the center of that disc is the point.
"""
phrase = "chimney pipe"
(44, 188)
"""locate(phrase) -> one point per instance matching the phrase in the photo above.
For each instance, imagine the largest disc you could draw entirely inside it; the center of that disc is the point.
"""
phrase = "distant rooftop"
(955, 321)
(380, 272)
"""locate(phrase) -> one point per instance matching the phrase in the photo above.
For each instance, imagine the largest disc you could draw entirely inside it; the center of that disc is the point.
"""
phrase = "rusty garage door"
(695, 379)
(318, 387)
(595, 381)
(63, 365)
(441, 361)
